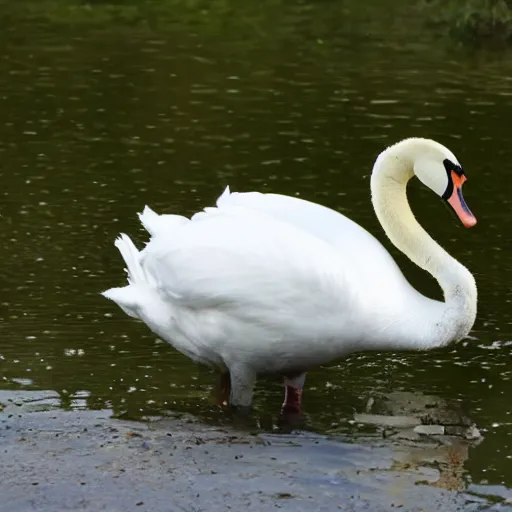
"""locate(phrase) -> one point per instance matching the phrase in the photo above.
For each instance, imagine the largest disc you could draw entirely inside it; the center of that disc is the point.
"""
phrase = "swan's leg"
(243, 380)
(293, 387)
(223, 389)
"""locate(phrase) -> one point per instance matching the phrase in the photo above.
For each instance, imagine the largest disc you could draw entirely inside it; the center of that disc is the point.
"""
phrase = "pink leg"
(293, 387)
(223, 389)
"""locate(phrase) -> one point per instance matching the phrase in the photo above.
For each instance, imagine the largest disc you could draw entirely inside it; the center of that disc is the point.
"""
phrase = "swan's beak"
(457, 202)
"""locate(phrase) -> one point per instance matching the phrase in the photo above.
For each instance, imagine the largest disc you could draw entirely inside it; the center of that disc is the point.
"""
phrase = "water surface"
(99, 118)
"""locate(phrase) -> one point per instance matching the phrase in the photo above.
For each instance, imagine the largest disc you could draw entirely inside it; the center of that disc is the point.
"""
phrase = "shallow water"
(100, 118)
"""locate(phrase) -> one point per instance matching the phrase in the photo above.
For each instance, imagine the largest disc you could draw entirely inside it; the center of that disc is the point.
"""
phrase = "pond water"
(102, 115)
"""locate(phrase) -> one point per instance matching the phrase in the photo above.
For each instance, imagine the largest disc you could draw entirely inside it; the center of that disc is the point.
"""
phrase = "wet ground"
(55, 460)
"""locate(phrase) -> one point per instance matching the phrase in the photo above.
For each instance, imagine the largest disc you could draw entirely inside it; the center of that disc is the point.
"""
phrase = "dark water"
(99, 118)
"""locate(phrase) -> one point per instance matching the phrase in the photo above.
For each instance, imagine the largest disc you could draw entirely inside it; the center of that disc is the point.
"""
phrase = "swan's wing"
(258, 228)
(256, 266)
(360, 251)
(327, 224)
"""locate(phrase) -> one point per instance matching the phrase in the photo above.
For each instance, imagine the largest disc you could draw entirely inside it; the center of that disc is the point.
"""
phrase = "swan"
(272, 284)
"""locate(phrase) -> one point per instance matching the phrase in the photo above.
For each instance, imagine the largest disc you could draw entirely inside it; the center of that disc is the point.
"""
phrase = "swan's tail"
(128, 297)
(130, 255)
(154, 223)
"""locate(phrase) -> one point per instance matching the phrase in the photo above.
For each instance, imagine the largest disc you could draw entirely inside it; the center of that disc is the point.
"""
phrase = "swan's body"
(265, 283)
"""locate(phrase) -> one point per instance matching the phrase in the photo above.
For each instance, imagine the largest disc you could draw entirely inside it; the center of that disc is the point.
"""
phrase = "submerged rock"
(430, 430)
(428, 415)
(387, 421)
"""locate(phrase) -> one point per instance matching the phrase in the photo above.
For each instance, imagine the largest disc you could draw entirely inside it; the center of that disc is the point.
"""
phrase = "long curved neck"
(391, 172)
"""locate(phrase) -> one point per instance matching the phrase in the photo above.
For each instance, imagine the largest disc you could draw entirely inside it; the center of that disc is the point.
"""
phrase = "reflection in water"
(98, 122)
(433, 433)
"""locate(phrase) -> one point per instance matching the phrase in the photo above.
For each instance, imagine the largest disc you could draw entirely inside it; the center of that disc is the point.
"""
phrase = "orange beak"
(457, 202)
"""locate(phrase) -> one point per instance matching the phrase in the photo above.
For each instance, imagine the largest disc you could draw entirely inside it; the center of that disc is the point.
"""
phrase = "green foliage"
(120, 11)
(479, 21)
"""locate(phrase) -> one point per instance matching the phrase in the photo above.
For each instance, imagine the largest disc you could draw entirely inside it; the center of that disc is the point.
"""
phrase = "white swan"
(265, 283)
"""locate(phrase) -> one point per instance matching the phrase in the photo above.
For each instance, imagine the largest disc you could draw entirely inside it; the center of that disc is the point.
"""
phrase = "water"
(100, 117)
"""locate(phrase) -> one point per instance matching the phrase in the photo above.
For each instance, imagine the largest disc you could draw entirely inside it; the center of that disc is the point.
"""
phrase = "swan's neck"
(445, 322)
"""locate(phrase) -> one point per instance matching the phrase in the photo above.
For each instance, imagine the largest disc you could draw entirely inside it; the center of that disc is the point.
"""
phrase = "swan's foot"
(241, 416)
(240, 411)
(289, 421)
(293, 386)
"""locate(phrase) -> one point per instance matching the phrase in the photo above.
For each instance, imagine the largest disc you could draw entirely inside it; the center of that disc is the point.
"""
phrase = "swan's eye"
(456, 178)
(450, 166)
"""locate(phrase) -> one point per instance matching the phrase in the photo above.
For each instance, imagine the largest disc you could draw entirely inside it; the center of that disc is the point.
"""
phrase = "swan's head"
(438, 169)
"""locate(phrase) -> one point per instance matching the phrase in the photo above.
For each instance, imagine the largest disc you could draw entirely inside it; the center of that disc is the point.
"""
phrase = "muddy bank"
(53, 460)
